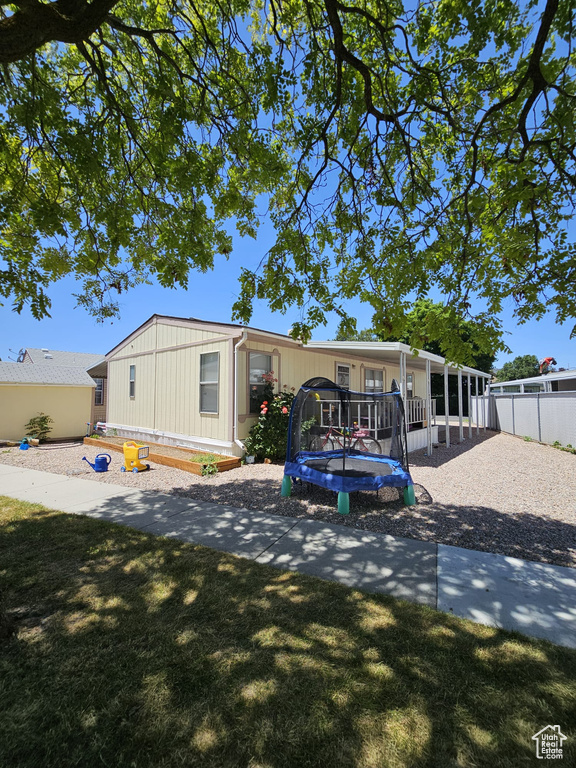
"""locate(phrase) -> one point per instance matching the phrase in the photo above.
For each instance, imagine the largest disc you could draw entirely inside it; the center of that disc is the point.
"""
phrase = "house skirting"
(418, 439)
(142, 434)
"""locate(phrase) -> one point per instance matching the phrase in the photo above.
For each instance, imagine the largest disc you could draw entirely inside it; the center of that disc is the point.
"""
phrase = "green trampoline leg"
(409, 495)
(286, 486)
(343, 503)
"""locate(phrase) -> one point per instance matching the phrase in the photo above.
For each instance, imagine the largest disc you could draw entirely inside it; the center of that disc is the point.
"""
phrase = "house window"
(409, 385)
(373, 380)
(132, 381)
(343, 375)
(260, 364)
(209, 365)
(99, 392)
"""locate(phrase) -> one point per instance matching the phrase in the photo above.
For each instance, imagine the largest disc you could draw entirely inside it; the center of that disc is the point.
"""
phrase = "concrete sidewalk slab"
(8, 469)
(240, 532)
(72, 492)
(15, 483)
(536, 599)
(403, 568)
(138, 509)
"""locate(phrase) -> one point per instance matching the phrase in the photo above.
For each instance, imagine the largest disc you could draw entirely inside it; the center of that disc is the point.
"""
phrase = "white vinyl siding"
(209, 370)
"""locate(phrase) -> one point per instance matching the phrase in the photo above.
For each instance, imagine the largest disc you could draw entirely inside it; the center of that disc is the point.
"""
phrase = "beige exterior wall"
(293, 365)
(167, 383)
(166, 357)
(70, 407)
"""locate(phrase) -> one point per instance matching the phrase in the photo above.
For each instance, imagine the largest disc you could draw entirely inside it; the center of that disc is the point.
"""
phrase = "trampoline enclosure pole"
(286, 486)
(409, 496)
(343, 503)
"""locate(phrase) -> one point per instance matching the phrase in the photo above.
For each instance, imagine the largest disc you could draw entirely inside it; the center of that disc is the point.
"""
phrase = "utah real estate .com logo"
(549, 743)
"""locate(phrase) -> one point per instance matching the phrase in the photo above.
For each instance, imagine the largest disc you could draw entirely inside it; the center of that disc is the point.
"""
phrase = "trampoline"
(347, 441)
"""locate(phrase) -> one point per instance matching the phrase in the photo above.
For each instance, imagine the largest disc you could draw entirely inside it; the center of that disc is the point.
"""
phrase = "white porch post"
(446, 406)
(460, 408)
(477, 408)
(484, 402)
(468, 378)
(403, 377)
(428, 409)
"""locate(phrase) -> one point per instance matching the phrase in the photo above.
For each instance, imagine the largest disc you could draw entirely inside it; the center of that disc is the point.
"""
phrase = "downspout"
(237, 346)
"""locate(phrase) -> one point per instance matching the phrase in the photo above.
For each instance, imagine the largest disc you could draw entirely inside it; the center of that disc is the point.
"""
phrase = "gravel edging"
(493, 493)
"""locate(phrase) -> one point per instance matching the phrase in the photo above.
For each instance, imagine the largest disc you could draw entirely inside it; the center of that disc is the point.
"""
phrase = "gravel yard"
(494, 492)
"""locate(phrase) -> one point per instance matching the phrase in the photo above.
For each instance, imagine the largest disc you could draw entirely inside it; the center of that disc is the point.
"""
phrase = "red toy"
(546, 362)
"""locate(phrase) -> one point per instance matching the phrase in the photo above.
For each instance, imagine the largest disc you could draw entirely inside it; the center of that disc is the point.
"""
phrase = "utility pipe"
(237, 346)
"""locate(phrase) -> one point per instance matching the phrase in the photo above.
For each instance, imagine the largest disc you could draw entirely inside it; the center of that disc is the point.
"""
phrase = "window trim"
(413, 375)
(132, 382)
(344, 365)
(252, 352)
(374, 370)
(209, 382)
(99, 390)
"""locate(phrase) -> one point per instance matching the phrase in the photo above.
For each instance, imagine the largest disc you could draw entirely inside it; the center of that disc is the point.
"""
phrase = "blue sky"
(210, 297)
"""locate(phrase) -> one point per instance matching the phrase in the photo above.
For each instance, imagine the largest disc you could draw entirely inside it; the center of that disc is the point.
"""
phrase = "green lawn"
(134, 650)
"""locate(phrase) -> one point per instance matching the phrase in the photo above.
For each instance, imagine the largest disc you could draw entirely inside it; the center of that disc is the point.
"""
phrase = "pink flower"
(284, 410)
(264, 409)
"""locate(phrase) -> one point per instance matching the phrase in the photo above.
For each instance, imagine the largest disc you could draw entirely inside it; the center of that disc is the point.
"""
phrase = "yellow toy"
(132, 455)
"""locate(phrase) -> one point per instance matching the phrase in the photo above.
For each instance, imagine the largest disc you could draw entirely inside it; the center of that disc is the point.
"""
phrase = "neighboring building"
(61, 392)
(199, 384)
(557, 381)
(84, 361)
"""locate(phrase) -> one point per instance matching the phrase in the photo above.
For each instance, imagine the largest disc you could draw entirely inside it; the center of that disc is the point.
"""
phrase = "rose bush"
(268, 438)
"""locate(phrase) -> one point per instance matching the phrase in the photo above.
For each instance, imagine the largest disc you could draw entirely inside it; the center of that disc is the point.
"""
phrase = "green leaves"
(397, 152)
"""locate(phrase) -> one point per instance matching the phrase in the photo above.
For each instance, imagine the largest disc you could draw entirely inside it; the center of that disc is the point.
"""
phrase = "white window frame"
(343, 365)
(251, 383)
(132, 382)
(99, 391)
(375, 370)
(210, 382)
(410, 390)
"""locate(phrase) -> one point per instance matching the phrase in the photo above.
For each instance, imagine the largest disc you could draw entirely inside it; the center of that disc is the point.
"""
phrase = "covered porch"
(422, 420)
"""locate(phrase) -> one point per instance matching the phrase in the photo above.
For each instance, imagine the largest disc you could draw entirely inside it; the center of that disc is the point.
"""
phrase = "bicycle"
(362, 440)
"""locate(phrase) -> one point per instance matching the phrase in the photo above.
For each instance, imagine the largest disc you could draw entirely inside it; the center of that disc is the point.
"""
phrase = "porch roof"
(389, 352)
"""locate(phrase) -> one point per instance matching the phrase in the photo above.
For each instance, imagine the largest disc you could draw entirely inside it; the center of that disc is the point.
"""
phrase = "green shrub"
(39, 427)
(268, 438)
(204, 458)
(208, 470)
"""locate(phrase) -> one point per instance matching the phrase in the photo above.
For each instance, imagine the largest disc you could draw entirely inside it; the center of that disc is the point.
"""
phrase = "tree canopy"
(397, 150)
(425, 328)
(522, 367)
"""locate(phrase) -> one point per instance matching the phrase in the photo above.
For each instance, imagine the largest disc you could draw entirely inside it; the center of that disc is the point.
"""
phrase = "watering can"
(101, 462)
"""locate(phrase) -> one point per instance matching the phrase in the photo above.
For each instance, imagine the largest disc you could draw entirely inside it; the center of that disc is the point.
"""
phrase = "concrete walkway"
(533, 598)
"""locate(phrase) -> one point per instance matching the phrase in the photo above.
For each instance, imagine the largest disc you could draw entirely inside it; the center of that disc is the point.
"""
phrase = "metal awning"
(388, 352)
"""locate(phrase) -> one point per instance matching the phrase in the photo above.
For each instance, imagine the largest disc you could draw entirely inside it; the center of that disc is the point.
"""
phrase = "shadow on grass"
(141, 651)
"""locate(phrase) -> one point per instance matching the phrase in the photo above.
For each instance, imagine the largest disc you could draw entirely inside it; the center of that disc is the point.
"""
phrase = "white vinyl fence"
(544, 416)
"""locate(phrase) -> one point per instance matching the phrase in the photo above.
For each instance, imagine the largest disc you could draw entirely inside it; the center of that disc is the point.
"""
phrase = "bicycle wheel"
(367, 444)
(321, 443)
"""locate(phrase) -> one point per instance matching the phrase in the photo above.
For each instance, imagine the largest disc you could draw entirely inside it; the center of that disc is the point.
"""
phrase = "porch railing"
(373, 415)
(416, 411)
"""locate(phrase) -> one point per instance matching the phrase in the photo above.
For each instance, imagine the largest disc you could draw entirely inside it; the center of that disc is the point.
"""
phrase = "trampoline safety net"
(326, 417)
